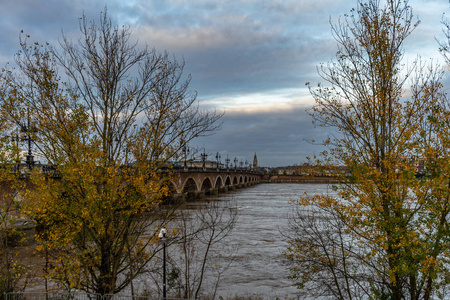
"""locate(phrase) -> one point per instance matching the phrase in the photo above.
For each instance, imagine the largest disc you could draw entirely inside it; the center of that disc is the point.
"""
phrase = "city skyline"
(250, 59)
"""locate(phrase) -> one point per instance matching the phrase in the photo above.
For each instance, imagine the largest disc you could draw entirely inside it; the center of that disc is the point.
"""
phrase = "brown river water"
(258, 267)
(250, 260)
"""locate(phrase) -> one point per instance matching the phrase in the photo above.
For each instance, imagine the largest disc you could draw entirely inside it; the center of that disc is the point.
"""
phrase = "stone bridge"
(191, 182)
(199, 182)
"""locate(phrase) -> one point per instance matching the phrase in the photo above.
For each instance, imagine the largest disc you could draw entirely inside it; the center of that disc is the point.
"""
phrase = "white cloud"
(279, 101)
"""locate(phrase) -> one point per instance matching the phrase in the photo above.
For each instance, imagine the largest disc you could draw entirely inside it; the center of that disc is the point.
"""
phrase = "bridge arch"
(241, 179)
(190, 186)
(218, 183)
(228, 181)
(235, 180)
(206, 185)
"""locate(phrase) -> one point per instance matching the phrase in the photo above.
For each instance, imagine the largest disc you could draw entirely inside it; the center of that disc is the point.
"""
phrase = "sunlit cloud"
(280, 101)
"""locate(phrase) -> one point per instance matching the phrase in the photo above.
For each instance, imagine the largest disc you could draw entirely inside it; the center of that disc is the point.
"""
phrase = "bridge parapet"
(221, 170)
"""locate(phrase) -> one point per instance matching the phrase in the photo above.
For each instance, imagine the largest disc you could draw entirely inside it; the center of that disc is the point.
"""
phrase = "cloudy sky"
(249, 58)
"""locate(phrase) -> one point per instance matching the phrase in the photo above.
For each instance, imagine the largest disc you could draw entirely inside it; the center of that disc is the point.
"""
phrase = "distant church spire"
(255, 162)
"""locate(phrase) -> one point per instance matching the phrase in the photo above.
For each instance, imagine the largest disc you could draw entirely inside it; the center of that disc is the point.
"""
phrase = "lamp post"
(27, 129)
(218, 157)
(204, 156)
(163, 239)
(227, 161)
(235, 163)
(186, 153)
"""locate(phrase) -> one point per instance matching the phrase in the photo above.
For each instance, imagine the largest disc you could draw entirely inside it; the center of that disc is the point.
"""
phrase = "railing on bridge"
(48, 170)
(23, 169)
(209, 169)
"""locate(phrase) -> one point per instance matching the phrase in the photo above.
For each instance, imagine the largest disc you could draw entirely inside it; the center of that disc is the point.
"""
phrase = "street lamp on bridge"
(218, 157)
(235, 163)
(185, 153)
(227, 161)
(27, 129)
(204, 156)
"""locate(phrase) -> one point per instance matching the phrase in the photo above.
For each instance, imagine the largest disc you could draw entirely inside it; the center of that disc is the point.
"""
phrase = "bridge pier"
(223, 189)
(195, 195)
(179, 197)
(212, 192)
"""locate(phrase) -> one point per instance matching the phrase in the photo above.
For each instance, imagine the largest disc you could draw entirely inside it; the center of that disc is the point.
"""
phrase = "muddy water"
(258, 267)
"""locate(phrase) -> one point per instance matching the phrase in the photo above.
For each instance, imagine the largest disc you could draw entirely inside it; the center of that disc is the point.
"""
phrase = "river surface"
(259, 268)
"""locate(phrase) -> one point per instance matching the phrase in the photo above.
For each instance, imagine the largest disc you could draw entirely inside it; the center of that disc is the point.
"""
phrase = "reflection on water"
(258, 268)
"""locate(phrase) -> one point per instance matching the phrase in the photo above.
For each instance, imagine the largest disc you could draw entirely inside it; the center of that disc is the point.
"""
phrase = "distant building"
(287, 171)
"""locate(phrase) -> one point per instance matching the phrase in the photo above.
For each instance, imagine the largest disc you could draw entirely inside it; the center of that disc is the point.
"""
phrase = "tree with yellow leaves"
(13, 272)
(384, 234)
(106, 115)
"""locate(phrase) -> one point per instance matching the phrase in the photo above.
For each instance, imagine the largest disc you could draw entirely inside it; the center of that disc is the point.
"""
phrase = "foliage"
(11, 270)
(384, 235)
(106, 115)
(13, 273)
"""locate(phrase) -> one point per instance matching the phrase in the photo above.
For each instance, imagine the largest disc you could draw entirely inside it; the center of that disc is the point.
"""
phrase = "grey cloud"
(278, 138)
(232, 49)
(42, 20)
